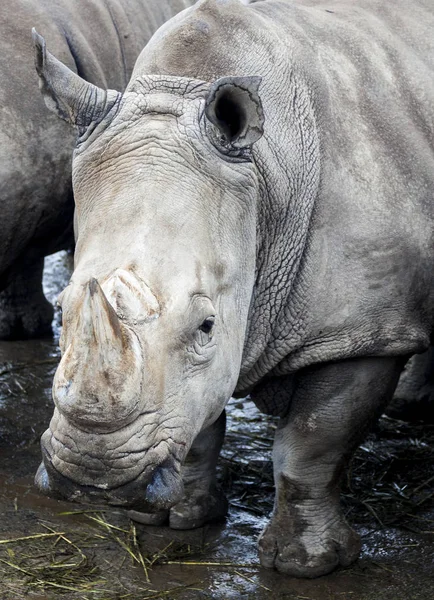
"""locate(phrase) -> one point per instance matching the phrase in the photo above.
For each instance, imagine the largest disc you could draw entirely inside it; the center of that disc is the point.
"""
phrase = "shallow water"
(398, 543)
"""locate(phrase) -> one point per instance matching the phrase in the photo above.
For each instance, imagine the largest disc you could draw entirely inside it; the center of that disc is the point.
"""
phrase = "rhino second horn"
(97, 384)
(132, 299)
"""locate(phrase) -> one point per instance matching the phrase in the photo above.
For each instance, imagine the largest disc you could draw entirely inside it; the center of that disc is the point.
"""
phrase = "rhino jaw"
(151, 492)
(97, 384)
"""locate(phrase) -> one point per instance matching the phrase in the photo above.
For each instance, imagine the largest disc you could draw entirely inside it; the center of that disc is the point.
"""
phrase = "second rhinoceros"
(254, 215)
(100, 40)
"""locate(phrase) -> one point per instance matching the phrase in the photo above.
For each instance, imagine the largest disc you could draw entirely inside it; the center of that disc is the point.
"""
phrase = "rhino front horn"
(97, 383)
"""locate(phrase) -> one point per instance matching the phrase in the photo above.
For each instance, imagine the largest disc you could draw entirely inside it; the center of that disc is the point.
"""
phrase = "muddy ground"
(70, 553)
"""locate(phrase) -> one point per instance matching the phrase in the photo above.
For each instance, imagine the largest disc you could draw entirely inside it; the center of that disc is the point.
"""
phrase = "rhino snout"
(152, 491)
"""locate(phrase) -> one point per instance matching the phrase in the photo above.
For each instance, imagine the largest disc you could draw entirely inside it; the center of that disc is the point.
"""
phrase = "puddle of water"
(57, 272)
(397, 559)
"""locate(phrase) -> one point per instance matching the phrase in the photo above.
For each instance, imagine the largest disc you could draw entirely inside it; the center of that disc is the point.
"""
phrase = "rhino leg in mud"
(330, 411)
(24, 310)
(203, 501)
(414, 396)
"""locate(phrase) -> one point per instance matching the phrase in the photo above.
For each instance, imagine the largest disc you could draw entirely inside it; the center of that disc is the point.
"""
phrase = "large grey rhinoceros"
(254, 214)
(100, 40)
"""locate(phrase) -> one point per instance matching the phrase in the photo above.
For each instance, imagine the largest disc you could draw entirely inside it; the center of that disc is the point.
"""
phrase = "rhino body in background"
(254, 214)
(98, 39)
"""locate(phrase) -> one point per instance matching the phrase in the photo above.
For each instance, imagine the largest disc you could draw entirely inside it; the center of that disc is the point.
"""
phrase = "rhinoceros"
(100, 40)
(254, 216)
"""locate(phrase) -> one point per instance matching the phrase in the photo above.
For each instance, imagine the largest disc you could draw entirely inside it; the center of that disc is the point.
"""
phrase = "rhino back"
(345, 231)
(367, 279)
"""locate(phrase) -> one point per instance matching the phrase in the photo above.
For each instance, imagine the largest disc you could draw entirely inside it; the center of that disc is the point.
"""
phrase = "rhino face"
(154, 318)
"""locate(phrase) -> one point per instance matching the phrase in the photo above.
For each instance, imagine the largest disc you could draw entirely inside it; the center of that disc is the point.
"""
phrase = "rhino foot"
(310, 552)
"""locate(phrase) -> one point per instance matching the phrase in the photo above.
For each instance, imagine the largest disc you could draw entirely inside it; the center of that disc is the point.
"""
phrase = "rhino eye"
(207, 325)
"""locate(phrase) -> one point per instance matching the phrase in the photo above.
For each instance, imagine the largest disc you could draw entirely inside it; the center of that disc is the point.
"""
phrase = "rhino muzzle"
(155, 489)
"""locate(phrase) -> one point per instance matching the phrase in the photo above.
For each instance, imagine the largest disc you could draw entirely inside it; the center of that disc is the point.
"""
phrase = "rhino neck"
(289, 182)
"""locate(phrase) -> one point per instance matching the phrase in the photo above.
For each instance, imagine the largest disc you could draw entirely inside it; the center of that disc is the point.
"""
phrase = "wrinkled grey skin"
(254, 222)
(99, 39)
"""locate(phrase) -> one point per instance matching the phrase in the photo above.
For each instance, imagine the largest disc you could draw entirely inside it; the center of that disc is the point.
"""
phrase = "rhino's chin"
(137, 467)
(153, 490)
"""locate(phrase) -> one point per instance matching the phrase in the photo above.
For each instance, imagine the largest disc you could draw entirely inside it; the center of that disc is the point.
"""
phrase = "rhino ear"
(69, 96)
(234, 106)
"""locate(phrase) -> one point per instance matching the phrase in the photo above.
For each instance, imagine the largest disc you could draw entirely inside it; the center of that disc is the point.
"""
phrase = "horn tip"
(37, 38)
(39, 44)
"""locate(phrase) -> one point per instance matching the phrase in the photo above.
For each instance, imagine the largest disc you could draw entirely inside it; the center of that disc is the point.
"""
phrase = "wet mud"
(51, 549)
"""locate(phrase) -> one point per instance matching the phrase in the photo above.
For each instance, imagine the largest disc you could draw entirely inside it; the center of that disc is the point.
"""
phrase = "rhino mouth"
(150, 492)
(152, 484)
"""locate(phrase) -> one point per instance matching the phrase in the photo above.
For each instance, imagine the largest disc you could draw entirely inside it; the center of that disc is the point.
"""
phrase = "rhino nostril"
(165, 488)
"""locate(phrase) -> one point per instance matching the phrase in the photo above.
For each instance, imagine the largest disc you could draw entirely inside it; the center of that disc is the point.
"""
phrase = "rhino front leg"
(203, 501)
(24, 310)
(331, 409)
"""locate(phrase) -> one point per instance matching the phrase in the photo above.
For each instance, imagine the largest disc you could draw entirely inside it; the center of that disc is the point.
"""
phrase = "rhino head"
(155, 315)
